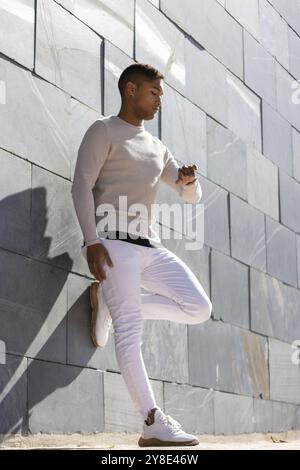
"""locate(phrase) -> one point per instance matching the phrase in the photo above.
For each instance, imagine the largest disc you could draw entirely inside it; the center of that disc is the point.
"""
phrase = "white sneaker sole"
(154, 442)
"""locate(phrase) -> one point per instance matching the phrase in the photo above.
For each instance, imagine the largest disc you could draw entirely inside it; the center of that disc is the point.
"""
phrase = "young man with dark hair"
(119, 158)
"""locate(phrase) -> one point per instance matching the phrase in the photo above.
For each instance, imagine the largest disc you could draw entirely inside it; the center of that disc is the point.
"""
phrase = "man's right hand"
(97, 255)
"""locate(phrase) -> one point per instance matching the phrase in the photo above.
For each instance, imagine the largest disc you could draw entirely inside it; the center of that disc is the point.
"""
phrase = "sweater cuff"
(92, 242)
(192, 193)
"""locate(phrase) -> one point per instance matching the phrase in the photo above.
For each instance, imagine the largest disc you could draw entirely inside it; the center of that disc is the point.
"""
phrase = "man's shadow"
(44, 322)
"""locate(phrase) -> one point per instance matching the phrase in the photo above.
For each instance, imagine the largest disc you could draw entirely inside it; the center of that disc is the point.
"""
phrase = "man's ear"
(131, 88)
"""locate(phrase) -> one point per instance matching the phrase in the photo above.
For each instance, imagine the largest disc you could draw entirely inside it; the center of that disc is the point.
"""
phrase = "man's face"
(147, 98)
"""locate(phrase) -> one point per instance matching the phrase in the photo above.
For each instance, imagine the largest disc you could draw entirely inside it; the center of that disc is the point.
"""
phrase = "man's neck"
(130, 118)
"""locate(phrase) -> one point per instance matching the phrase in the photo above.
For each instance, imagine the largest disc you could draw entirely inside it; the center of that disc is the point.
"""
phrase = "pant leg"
(176, 293)
(122, 292)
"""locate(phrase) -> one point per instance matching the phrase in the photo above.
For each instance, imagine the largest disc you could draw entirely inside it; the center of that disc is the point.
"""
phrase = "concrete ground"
(126, 441)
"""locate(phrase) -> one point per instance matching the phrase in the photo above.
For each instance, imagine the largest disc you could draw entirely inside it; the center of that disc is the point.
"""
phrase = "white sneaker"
(100, 317)
(164, 431)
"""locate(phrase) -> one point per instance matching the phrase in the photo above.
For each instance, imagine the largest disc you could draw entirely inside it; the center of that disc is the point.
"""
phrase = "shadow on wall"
(33, 309)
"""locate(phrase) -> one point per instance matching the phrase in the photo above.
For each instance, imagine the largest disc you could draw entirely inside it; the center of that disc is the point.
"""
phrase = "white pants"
(174, 294)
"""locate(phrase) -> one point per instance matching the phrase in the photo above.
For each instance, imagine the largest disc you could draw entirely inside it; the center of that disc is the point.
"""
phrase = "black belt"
(137, 240)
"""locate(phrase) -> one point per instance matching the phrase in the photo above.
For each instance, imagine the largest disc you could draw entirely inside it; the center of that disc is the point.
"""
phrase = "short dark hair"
(138, 73)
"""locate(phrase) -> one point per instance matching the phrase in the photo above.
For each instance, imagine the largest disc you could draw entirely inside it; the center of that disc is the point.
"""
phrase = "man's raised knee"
(201, 311)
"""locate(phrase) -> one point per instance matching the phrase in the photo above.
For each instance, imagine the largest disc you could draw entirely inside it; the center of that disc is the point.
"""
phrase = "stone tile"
(191, 406)
(233, 414)
(184, 129)
(244, 117)
(289, 201)
(216, 223)
(290, 11)
(287, 96)
(298, 258)
(247, 233)
(153, 33)
(267, 305)
(274, 33)
(281, 252)
(17, 31)
(165, 350)
(41, 124)
(120, 413)
(81, 117)
(292, 297)
(115, 61)
(246, 13)
(34, 304)
(297, 419)
(277, 138)
(13, 406)
(293, 414)
(181, 61)
(55, 233)
(230, 296)
(201, 342)
(207, 25)
(296, 154)
(208, 89)
(81, 351)
(235, 359)
(272, 416)
(15, 195)
(70, 56)
(274, 307)
(50, 309)
(259, 69)
(284, 375)
(263, 415)
(64, 399)
(226, 159)
(113, 21)
(262, 183)
(294, 45)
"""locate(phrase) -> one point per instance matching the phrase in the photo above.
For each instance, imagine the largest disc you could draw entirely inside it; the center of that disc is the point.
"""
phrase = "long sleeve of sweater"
(189, 192)
(92, 153)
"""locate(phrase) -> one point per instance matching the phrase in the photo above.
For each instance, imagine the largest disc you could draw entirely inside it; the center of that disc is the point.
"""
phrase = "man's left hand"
(187, 174)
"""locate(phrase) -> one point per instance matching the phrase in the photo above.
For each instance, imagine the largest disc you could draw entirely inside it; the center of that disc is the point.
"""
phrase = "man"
(119, 159)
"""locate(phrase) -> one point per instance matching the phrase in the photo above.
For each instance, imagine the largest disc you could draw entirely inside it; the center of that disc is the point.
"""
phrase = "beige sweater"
(116, 158)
